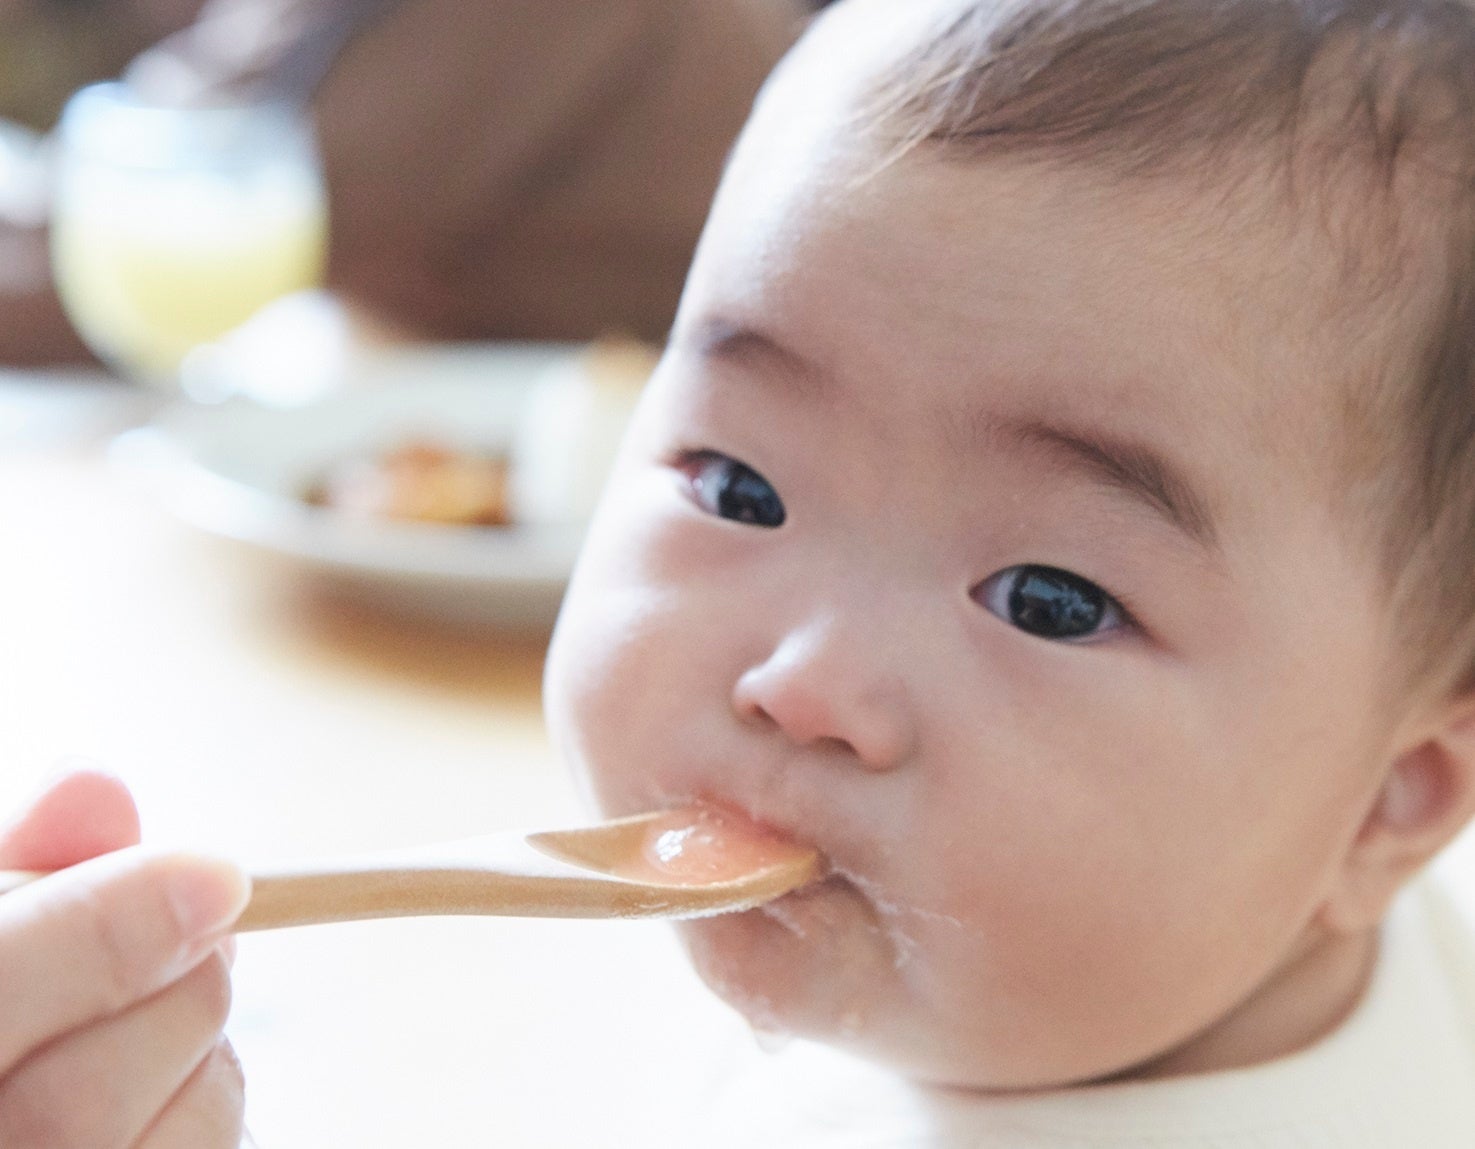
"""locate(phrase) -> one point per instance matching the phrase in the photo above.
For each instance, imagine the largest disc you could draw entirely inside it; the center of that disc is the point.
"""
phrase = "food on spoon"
(419, 480)
(712, 846)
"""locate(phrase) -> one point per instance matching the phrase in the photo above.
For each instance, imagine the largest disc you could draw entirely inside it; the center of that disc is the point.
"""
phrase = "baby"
(1057, 504)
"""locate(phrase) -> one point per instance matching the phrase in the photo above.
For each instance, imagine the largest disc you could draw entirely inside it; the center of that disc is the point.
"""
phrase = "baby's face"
(974, 529)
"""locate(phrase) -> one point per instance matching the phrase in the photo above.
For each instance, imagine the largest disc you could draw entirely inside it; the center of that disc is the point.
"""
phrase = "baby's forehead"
(948, 246)
(1351, 133)
(1321, 278)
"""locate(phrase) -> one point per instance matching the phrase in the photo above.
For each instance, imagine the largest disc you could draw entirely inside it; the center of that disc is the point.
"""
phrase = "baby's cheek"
(616, 688)
(588, 710)
(591, 664)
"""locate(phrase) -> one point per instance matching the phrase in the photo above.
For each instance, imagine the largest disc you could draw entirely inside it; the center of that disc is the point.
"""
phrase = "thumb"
(78, 816)
(90, 942)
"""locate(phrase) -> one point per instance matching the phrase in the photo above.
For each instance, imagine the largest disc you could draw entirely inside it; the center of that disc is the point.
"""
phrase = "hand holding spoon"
(672, 864)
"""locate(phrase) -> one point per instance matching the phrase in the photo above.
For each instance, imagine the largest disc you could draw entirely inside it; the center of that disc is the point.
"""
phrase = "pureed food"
(682, 848)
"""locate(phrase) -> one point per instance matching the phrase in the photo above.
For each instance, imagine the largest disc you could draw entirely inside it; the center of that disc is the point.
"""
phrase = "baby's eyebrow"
(719, 338)
(1137, 469)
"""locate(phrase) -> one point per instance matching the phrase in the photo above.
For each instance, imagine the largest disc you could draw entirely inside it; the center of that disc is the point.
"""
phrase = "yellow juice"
(150, 266)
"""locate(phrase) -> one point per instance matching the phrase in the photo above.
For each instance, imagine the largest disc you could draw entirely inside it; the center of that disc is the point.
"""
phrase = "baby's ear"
(1427, 797)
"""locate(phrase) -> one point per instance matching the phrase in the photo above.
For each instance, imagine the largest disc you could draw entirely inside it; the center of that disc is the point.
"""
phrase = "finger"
(78, 816)
(102, 1086)
(208, 1113)
(93, 940)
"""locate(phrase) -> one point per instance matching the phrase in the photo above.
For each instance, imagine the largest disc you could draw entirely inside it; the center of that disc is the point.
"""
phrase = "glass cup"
(173, 225)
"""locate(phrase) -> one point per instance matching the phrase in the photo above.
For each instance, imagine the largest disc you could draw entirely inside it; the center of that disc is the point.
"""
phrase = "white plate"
(238, 469)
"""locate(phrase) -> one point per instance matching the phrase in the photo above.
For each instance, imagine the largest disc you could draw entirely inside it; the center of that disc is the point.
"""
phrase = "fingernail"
(227, 950)
(208, 896)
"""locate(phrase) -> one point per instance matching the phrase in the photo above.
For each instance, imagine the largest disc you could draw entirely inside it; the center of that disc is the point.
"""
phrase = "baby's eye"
(732, 490)
(1049, 602)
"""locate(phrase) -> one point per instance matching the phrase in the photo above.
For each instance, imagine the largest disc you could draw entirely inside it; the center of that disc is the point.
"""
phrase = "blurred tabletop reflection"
(257, 716)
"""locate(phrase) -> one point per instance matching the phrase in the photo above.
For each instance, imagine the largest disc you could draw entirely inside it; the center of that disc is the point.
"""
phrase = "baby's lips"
(706, 844)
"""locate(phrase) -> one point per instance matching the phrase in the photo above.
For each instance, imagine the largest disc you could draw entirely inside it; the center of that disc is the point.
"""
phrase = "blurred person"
(526, 169)
(49, 48)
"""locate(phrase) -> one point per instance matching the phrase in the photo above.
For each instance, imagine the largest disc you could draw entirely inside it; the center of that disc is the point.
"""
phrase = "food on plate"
(563, 445)
(419, 480)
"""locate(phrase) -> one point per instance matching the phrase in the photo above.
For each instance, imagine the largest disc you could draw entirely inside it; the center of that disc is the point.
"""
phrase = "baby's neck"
(1303, 1001)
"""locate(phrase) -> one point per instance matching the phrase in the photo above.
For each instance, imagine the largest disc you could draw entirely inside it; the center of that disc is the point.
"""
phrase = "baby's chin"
(815, 963)
(819, 964)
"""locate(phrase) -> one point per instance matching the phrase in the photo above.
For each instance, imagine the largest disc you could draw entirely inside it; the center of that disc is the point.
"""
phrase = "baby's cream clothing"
(1398, 1074)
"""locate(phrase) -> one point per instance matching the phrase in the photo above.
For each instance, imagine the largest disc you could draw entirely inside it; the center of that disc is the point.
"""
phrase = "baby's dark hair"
(1365, 108)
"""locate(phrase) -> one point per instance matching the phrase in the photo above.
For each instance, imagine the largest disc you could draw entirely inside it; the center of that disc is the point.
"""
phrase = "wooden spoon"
(671, 864)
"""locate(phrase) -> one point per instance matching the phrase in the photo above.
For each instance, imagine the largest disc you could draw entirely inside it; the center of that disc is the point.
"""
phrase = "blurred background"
(319, 321)
(517, 169)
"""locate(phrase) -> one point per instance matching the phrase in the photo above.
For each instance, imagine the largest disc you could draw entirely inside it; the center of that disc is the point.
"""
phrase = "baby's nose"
(822, 686)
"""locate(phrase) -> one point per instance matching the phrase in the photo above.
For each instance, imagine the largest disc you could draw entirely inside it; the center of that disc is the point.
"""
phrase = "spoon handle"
(499, 876)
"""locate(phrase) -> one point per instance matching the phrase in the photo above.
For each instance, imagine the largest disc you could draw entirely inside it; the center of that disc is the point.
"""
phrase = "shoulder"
(1446, 909)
